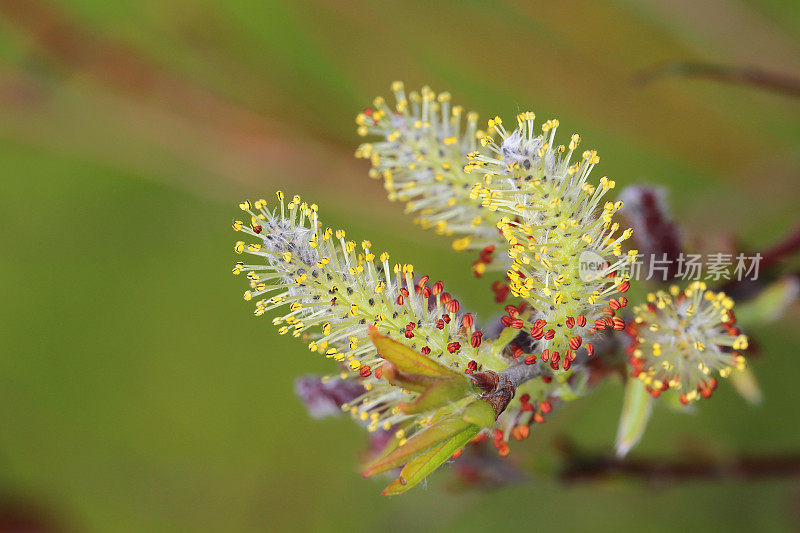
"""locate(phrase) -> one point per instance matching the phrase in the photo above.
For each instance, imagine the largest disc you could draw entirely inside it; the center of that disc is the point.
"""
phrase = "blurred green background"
(139, 393)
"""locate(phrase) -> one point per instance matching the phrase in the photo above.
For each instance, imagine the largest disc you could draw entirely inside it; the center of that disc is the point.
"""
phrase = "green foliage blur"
(137, 390)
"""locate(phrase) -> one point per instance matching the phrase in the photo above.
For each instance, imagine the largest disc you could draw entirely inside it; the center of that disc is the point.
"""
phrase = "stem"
(754, 77)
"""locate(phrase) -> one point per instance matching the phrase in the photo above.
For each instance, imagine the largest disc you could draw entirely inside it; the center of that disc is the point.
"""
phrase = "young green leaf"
(417, 469)
(442, 392)
(635, 414)
(479, 413)
(770, 303)
(417, 444)
(406, 359)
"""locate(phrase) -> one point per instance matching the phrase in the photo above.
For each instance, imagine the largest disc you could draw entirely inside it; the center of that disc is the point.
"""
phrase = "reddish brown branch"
(583, 468)
(750, 76)
(789, 245)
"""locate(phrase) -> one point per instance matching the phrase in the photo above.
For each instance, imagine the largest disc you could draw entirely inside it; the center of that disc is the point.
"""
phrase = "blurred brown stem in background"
(580, 466)
(752, 76)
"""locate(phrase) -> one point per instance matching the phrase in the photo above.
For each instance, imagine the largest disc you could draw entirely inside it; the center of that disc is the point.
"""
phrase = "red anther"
(446, 318)
(734, 332)
(453, 306)
(498, 435)
(512, 310)
(522, 306)
(426, 292)
(365, 371)
(475, 341)
(467, 321)
(547, 379)
(446, 297)
(612, 274)
(599, 324)
(712, 383)
(501, 295)
(368, 111)
(609, 322)
(503, 450)
(516, 351)
(453, 347)
(539, 419)
(545, 406)
(409, 334)
(440, 324)
(438, 287)
(422, 281)
(472, 366)
(521, 432)
(554, 365)
(655, 393)
(589, 349)
(622, 301)
(705, 392)
(613, 304)
(411, 325)
(517, 323)
(684, 400)
(379, 372)
(608, 311)
(257, 229)
(526, 407)
(403, 291)
(506, 320)
(540, 324)
(566, 363)
(488, 250)
(570, 322)
(581, 320)
(545, 355)
(456, 455)
(624, 286)
(550, 334)
(537, 333)
(555, 358)
(426, 350)
(619, 323)
(399, 299)
(531, 359)
(515, 433)
(575, 342)
(569, 354)
(480, 437)
(525, 398)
